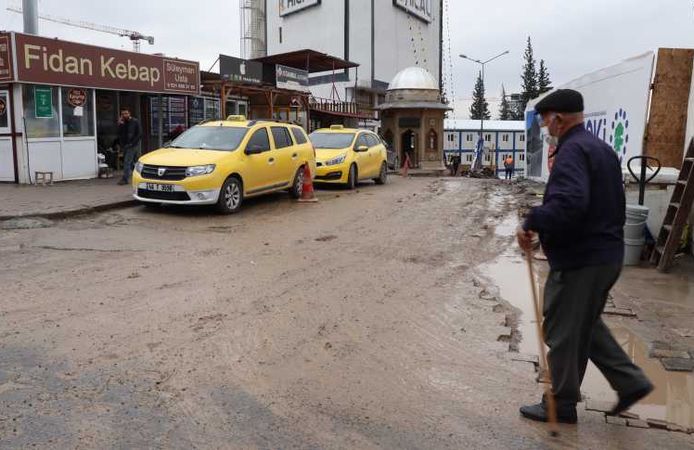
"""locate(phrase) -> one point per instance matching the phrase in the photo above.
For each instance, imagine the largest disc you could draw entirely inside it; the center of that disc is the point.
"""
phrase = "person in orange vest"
(509, 166)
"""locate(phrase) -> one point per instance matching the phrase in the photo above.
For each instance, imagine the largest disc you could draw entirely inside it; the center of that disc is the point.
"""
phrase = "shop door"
(6, 154)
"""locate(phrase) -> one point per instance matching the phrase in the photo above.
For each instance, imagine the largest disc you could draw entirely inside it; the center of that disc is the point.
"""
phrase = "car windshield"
(331, 140)
(211, 138)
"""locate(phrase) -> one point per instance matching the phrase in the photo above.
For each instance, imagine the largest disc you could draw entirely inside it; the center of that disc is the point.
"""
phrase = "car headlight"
(335, 161)
(194, 171)
(138, 167)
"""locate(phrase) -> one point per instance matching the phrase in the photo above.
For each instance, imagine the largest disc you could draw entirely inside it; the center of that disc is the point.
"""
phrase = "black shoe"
(539, 413)
(627, 401)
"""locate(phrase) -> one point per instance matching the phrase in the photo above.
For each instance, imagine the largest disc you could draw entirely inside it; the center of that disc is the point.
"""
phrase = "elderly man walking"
(580, 225)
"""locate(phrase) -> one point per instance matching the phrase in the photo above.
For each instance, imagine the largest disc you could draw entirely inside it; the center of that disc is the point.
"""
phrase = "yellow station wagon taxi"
(222, 162)
(349, 155)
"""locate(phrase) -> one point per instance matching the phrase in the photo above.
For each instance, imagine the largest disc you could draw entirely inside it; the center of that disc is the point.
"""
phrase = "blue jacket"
(581, 220)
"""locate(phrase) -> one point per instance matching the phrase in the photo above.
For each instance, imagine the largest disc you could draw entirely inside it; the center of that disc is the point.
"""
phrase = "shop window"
(78, 112)
(281, 137)
(4, 111)
(213, 109)
(42, 120)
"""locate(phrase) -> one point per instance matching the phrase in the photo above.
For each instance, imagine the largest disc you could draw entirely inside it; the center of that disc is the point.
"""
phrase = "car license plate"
(160, 187)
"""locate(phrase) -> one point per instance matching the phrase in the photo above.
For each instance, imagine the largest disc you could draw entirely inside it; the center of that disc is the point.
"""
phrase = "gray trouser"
(130, 156)
(574, 331)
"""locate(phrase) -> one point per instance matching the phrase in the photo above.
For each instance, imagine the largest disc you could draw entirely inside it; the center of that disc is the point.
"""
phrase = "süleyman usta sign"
(421, 9)
(51, 61)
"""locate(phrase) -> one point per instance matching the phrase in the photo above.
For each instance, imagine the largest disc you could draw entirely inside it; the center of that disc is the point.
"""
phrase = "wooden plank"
(667, 123)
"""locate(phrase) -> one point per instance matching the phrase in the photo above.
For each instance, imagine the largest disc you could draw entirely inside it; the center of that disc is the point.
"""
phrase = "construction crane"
(134, 36)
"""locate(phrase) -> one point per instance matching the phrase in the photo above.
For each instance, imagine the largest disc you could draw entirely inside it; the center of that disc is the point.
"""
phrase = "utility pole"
(31, 16)
(482, 63)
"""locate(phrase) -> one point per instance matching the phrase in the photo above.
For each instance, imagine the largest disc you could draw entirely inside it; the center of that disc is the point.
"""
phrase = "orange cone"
(406, 165)
(307, 194)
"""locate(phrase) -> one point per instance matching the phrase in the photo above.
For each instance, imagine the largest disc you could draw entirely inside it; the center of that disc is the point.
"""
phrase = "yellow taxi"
(349, 155)
(222, 162)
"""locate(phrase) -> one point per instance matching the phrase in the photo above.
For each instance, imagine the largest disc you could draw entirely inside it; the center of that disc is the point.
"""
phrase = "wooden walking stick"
(544, 363)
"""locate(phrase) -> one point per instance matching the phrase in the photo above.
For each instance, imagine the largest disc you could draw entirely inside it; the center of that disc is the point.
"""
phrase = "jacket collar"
(571, 132)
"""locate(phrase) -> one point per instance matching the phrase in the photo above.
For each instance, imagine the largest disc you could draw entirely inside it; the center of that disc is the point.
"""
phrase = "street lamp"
(483, 63)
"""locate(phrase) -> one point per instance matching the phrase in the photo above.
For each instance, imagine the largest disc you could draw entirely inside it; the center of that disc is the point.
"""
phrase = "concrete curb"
(73, 212)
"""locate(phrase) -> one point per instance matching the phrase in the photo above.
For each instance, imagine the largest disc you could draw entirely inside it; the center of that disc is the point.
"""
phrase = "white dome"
(413, 78)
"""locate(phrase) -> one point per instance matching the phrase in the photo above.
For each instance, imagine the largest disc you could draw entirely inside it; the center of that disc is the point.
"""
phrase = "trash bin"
(634, 234)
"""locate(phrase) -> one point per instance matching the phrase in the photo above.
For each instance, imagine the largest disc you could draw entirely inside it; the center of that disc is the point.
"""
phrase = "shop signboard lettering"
(421, 9)
(240, 70)
(51, 61)
(291, 78)
(5, 58)
(76, 97)
(43, 102)
(291, 6)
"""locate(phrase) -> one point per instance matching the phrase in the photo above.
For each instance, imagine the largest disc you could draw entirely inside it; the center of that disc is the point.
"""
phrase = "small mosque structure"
(412, 120)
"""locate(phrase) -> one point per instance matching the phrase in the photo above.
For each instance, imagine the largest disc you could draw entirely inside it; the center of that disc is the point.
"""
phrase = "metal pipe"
(30, 10)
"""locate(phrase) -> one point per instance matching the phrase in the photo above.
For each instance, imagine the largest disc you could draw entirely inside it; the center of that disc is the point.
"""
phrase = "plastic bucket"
(632, 251)
(634, 230)
(636, 214)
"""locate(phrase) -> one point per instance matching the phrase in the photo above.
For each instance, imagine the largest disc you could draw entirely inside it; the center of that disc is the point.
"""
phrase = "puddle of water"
(673, 397)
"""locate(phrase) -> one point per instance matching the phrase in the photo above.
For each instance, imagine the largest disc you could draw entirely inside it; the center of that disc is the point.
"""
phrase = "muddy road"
(360, 322)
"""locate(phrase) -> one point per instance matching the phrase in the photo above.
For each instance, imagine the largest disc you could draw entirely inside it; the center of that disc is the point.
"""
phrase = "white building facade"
(382, 36)
(501, 139)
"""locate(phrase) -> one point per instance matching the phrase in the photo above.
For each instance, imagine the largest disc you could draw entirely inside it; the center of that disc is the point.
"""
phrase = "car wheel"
(352, 178)
(298, 186)
(383, 176)
(230, 196)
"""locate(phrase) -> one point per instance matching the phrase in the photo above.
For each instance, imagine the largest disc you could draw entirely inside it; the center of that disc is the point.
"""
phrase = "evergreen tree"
(505, 112)
(528, 80)
(479, 108)
(544, 84)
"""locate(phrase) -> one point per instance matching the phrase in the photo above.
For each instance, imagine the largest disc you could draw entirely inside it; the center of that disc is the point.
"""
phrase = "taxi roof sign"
(337, 127)
(236, 118)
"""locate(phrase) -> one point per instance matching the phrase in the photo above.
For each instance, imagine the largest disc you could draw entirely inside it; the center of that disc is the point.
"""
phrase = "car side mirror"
(362, 148)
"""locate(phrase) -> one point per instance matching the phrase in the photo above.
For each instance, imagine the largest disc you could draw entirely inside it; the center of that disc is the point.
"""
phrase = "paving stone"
(676, 428)
(626, 312)
(636, 423)
(614, 420)
(678, 364)
(657, 423)
(599, 405)
(629, 415)
(668, 353)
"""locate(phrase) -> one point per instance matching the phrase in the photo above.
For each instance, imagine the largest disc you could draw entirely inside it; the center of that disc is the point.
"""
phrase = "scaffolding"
(253, 28)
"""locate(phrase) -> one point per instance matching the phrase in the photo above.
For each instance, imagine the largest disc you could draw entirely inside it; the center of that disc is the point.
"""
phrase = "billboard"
(616, 109)
(240, 70)
(421, 9)
(291, 6)
(291, 78)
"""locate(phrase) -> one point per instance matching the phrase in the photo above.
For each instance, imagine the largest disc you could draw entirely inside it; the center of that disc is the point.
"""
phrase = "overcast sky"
(574, 37)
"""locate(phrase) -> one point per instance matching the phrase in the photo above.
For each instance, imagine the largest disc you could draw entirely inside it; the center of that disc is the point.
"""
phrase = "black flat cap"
(561, 101)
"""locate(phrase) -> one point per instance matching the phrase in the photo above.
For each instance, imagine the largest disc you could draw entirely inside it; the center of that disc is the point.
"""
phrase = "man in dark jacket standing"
(581, 230)
(129, 135)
